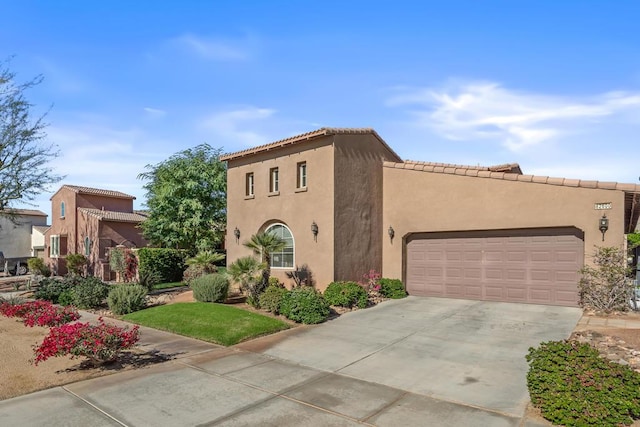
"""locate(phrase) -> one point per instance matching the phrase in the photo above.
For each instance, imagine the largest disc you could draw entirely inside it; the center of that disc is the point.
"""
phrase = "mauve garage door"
(538, 266)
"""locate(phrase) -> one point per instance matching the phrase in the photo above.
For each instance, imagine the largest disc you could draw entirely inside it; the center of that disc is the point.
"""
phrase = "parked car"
(16, 266)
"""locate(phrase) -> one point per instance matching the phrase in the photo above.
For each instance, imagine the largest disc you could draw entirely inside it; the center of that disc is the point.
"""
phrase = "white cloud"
(215, 49)
(154, 113)
(235, 124)
(518, 119)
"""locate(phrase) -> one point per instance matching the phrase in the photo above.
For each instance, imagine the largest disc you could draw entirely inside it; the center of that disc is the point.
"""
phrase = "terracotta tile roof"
(305, 137)
(507, 167)
(32, 212)
(488, 173)
(41, 228)
(96, 192)
(114, 216)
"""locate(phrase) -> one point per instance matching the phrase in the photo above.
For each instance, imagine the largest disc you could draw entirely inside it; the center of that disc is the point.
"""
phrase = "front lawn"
(216, 323)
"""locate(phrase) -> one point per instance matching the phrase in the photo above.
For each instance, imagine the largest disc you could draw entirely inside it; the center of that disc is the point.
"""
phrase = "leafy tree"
(186, 197)
(23, 153)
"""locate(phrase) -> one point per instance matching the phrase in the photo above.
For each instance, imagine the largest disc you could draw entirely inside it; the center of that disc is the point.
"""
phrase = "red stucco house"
(88, 221)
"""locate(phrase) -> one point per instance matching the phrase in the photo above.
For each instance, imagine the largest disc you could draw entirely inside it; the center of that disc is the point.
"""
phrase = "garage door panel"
(516, 256)
(516, 293)
(495, 293)
(539, 266)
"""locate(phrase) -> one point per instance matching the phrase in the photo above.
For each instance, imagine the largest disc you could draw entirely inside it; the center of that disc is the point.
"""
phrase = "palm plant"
(205, 258)
(246, 272)
(263, 244)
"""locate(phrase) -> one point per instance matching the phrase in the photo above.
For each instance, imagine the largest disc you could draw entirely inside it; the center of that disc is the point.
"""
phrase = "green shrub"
(197, 270)
(66, 298)
(50, 289)
(37, 266)
(392, 288)
(346, 294)
(271, 298)
(76, 263)
(90, 292)
(304, 305)
(210, 288)
(168, 263)
(126, 298)
(274, 281)
(573, 385)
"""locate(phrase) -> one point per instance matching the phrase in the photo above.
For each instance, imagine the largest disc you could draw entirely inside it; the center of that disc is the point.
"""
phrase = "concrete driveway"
(458, 351)
(417, 361)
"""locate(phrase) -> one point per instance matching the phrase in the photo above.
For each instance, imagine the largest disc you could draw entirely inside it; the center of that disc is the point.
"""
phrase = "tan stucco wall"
(295, 209)
(416, 201)
(358, 205)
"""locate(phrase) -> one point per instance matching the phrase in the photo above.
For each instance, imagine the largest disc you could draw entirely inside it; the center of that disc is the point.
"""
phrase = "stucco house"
(346, 203)
(17, 236)
(88, 221)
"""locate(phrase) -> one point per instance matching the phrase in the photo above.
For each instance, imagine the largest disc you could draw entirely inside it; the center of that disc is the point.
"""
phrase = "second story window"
(301, 181)
(62, 210)
(249, 184)
(274, 184)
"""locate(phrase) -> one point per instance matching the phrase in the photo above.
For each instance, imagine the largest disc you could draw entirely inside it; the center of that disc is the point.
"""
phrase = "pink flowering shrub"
(40, 313)
(100, 343)
(370, 281)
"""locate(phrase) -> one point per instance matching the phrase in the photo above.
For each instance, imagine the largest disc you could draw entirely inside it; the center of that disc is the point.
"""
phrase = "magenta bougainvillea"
(370, 281)
(100, 343)
(40, 313)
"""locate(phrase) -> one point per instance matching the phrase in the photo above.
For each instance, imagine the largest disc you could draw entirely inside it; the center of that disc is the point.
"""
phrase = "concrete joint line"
(106, 414)
(389, 405)
(272, 393)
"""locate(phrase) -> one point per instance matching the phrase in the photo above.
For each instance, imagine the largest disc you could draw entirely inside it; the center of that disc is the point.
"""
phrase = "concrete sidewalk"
(261, 383)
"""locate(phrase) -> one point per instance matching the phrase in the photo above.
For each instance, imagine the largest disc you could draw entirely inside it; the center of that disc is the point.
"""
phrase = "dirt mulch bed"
(18, 376)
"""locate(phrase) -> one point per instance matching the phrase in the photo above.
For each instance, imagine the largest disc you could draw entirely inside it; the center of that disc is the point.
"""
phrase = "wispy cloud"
(213, 48)
(235, 124)
(518, 119)
(154, 113)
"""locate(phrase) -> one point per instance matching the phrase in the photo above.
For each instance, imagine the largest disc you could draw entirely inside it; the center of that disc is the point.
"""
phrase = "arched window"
(283, 258)
(87, 246)
(62, 210)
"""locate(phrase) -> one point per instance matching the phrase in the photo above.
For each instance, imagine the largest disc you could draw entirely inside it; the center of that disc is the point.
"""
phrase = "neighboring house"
(346, 203)
(88, 221)
(16, 236)
(38, 241)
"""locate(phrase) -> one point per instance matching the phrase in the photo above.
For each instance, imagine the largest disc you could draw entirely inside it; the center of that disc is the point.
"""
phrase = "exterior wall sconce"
(391, 232)
(314, 230)
(236, 233)
(604, 225)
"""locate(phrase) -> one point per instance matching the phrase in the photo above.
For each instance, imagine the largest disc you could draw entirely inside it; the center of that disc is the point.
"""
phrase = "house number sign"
(602, 206)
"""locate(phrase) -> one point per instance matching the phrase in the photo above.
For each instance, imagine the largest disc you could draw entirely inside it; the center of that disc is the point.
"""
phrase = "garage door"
(538, 266)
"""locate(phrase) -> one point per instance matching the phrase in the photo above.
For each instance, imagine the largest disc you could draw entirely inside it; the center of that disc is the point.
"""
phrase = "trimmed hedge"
(126, 298)
(573, 385)
(210, 288)
(168, 264)
(304, 305)
(346, 294)
(392, 288)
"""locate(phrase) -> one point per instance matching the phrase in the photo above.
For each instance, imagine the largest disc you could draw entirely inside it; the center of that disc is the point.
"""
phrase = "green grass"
(167, 285)
(216, 323)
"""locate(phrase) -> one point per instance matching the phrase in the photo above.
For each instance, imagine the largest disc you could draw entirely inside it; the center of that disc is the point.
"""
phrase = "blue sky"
(554, 86)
